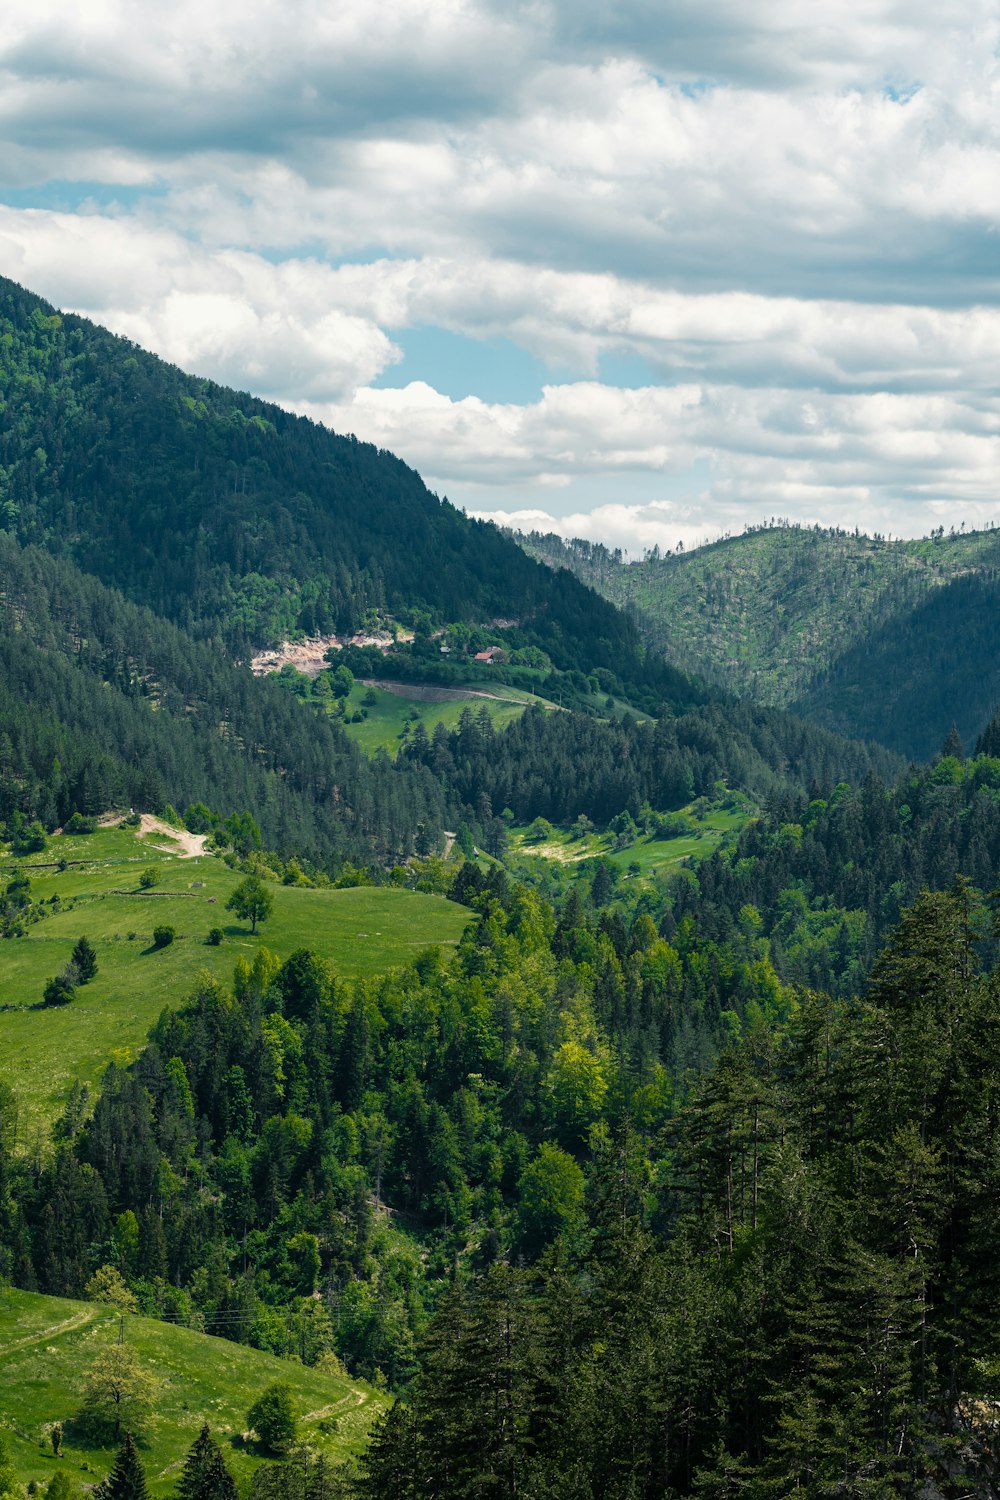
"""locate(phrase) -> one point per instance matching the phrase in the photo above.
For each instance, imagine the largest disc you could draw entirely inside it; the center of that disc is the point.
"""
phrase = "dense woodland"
(776, 1272)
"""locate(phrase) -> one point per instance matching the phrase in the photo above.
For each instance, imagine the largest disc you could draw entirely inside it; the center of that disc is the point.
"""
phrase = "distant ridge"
(877, 639)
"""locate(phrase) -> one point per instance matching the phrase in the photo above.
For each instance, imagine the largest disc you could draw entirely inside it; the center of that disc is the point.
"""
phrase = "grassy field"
(361, 931)
(395, 714)
(47, 1344)
(652, 855)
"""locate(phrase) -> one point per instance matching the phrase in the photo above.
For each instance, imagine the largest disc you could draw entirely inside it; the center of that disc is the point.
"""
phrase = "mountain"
(587, 1166)
(104, 704)
(877, 639)
(189, 521)
(241, 522)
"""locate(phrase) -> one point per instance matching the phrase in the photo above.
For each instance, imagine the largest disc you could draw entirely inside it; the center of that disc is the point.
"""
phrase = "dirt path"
(188, 845)
(357, 1396)
(428, 692)
(79, 1319)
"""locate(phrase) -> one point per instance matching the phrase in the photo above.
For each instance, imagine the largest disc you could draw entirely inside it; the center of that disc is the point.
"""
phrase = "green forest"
(596, 1099)
(879, 639)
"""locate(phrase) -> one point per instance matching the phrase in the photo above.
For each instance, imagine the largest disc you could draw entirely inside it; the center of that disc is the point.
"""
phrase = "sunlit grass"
(361, 931)
(47, 1345)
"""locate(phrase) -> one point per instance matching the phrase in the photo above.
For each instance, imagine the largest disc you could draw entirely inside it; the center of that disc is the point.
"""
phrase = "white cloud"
(226, 314)
(214, 306)
(787, 214)
(880, 461)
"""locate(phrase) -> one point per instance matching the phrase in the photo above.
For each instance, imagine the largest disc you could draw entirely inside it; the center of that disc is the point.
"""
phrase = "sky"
(645, 271)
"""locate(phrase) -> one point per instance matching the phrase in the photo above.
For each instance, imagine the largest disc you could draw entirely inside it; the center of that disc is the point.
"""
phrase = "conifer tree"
(84, 960)
(127, 1481)
(205, 1475)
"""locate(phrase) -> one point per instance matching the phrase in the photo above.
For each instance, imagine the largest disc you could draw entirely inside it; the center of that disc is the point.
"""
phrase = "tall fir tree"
(127, 1480)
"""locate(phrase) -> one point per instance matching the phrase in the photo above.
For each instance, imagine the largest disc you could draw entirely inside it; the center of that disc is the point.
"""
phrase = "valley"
(881, 639)
(558, 1042)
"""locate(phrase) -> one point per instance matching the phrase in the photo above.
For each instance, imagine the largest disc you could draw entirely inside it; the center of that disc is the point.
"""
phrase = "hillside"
(105, 704)
(43, 1050)
(888, 640)
(243, 523)
(47, 1345)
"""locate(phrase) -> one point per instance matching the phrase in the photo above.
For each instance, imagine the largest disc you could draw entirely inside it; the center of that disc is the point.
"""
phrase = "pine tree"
(390, 1463)
(953, 744)
(127, 1481)
(205, 1475)
(84, 959)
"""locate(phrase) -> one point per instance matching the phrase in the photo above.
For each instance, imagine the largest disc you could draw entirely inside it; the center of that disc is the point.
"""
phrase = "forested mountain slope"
(914, 675)
(783, 1265)
(239, 521)
(103, 705)
(890, 640)
(789, 1287)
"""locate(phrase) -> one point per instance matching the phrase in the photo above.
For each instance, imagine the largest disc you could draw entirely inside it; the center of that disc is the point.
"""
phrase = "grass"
(394, 714)
(47, 1345)
(361, 931)
(652, 855)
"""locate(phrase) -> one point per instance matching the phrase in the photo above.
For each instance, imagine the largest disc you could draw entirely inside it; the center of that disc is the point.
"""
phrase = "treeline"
(559, 765)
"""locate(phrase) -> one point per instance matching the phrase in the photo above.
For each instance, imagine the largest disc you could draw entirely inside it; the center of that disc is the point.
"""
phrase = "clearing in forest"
(98, 895)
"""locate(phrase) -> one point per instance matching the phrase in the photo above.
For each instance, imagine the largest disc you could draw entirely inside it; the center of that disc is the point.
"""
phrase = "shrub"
(80, 824)
(214, 938)
(147, 879)
(163, 936)
(58, 991)
(30, 840)
(273, 1418)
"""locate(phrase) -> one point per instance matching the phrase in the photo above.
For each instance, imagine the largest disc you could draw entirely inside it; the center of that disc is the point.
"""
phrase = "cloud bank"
(752, 254)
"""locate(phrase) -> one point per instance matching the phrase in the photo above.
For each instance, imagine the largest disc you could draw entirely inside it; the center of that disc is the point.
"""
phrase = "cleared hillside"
(48, 1344)
(360, 931)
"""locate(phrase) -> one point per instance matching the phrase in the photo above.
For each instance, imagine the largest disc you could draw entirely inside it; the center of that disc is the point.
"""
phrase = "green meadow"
(393, 715)
(653, 855)
(361, 931)
(47, 1345)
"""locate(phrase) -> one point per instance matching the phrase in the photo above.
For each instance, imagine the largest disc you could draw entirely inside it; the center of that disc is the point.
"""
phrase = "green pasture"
(48, 1344)
(361, 931)
(395, 714)
(654, 855)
